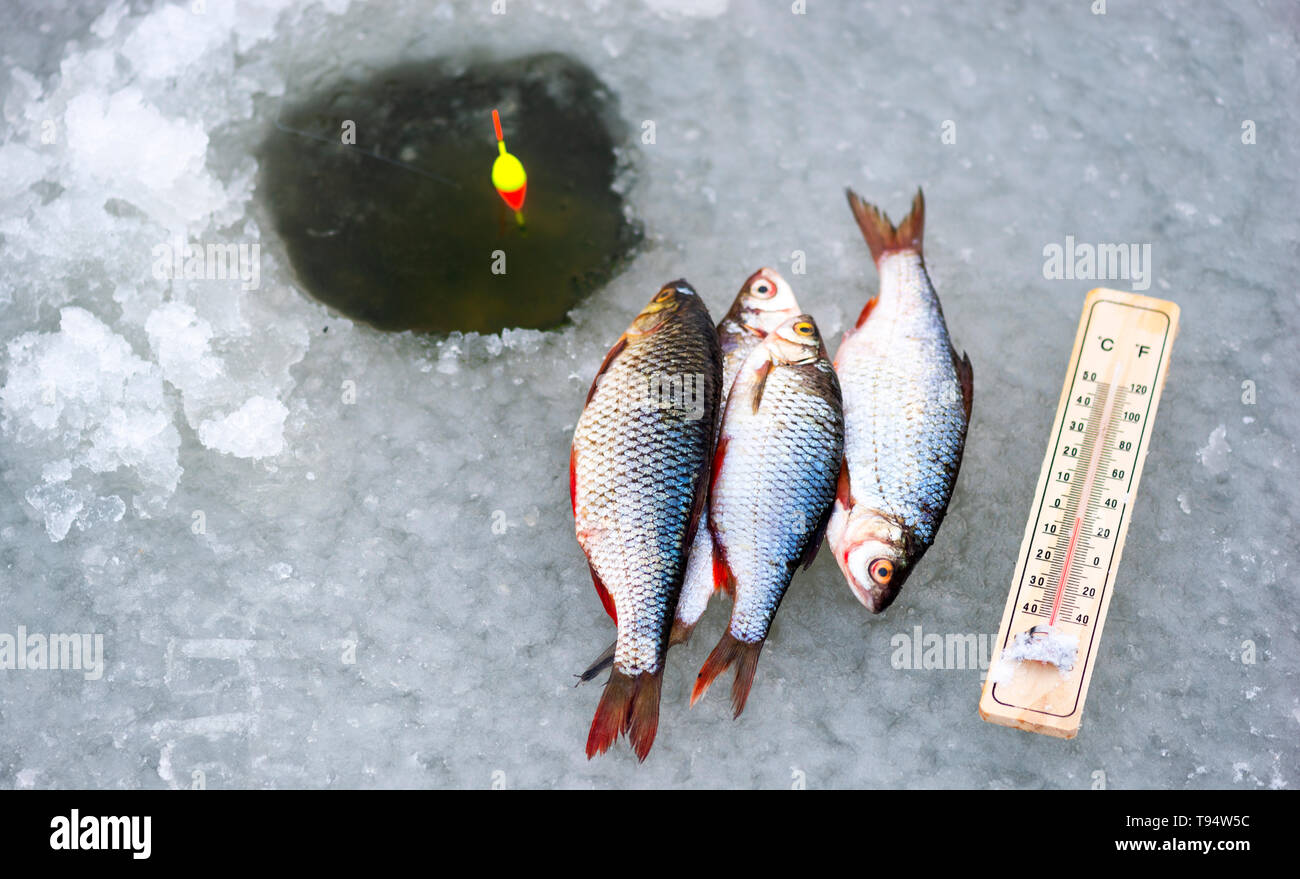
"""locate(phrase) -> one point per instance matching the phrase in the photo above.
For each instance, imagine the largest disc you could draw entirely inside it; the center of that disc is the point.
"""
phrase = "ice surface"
(80, 402)
(324, 556)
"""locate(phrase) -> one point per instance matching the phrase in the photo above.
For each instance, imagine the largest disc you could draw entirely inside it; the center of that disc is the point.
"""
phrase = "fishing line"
(280, 126)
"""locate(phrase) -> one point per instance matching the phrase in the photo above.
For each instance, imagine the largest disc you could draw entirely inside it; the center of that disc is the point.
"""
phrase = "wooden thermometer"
(1065, 575)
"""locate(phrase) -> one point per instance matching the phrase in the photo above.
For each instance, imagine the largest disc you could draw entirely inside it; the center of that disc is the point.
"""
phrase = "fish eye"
(763, 289)
(882, 571)
(664, 295)
(803, 328)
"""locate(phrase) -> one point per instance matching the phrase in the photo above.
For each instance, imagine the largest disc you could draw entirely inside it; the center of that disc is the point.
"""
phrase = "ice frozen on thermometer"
(1039, 644)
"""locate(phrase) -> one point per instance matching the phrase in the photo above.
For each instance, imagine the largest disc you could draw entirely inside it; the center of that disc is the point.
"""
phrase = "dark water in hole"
(386, 243)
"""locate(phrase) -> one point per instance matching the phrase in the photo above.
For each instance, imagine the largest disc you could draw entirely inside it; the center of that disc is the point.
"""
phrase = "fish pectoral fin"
(864, 314)
(761, 373)
(604, 661)
(843, 487)
(605, 365)
(965, 375)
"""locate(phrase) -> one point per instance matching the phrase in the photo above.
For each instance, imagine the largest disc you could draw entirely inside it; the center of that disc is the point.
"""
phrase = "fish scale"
(913, 445)
(644, 490)
(907, 405)
(764, 302)
(788, 480)
(638, 469)
(780, 445)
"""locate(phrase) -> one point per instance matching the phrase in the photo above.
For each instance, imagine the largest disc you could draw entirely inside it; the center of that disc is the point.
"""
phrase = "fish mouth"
(873, 599)
(645, 331)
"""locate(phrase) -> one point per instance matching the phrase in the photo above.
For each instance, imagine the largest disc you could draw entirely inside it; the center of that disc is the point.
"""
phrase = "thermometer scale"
(1065, 575)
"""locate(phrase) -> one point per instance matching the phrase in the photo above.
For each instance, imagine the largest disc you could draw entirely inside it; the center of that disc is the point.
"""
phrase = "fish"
(764, 302)
(907, 406)
(775, 472)
(638, 473)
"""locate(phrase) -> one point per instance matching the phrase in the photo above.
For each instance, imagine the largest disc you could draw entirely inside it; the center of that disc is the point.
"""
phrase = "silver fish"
(764, 302)
(907, 404)
(637, 477)
(780, 444)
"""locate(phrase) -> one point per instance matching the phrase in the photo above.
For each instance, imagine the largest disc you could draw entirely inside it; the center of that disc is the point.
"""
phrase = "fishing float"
(508, 175)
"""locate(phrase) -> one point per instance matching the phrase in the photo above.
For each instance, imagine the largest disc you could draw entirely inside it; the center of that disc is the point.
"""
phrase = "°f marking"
(1064, 575)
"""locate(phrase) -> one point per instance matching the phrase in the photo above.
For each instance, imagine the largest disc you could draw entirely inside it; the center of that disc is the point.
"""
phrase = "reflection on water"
(403, 230)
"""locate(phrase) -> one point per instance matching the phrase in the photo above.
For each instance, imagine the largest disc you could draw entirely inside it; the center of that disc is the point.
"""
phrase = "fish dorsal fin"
(605, 365)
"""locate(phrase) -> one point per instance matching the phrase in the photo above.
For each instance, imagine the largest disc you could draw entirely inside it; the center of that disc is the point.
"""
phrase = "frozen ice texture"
(80, 403)
(254, 430)
(345, 558)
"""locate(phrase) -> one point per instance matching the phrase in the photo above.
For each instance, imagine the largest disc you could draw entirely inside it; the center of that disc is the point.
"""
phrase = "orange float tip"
(514, 199)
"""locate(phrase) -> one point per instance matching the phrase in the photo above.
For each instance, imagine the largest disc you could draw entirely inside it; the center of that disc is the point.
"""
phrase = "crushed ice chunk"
(254, 430)
(62, 506)
(134, 152)
(81, 398)
(1214, 454)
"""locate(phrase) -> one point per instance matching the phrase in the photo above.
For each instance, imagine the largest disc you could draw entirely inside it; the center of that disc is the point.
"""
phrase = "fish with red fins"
(907, 404)
(780, 444)
(714, 459)
(638, 474)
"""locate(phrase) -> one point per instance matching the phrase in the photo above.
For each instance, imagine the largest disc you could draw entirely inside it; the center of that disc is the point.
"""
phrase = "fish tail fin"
(644, 722)
(604, 661)
(730, 650)
(883, 236)
(628, 705)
